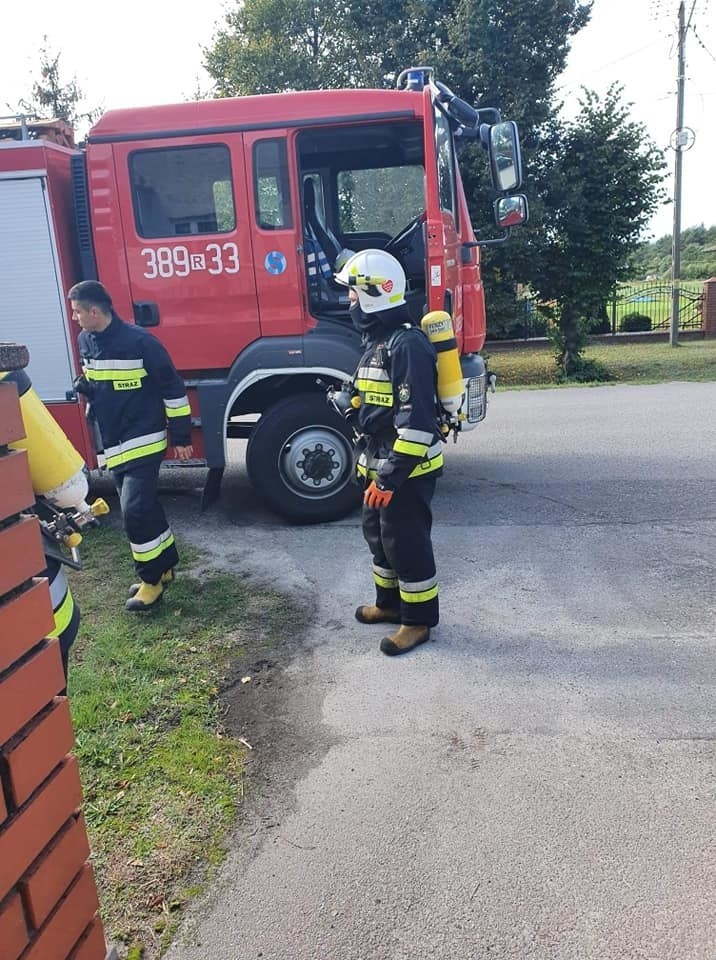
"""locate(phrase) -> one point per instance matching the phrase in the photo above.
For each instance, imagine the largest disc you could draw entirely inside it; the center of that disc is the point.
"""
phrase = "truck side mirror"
(511, 211)
(505, 159)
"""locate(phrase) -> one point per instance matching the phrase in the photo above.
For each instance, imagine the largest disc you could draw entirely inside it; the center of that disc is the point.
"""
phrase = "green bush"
(587, 370)
(634, 322)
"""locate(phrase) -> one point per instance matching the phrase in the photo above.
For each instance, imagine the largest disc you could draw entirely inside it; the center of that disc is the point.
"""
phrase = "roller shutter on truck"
(32, 302)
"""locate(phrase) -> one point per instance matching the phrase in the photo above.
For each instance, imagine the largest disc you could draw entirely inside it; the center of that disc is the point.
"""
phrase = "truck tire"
(299, 459)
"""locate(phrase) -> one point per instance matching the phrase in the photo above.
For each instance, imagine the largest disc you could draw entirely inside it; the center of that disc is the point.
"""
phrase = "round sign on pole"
(682, 139)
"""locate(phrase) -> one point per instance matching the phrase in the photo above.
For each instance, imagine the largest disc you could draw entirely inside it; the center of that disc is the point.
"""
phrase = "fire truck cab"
(219, 225)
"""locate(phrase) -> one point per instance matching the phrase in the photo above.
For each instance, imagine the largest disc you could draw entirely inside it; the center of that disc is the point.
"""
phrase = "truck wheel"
(299, 458)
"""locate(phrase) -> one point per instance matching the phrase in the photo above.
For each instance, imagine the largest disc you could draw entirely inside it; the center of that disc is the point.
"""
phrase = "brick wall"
(48, 899)
(708, 310)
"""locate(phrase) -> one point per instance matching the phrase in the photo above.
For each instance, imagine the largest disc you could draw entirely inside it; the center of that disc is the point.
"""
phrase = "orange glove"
(375, 498)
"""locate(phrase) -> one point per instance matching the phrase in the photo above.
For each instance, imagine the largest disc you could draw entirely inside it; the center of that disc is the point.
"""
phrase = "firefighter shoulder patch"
(404, 392)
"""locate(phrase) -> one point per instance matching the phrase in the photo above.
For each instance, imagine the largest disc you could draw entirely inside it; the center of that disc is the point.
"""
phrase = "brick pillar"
(48, 899)
(708, 309)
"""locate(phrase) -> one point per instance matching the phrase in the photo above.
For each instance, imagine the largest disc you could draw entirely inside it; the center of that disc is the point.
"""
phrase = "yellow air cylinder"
(56, 468)
(437, 326)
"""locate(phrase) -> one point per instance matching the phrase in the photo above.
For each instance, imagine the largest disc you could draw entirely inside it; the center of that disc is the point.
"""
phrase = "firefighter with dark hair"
(139, 403)
(401, 455)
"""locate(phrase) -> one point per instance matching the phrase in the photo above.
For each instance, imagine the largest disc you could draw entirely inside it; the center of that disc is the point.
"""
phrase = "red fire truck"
(218, 224)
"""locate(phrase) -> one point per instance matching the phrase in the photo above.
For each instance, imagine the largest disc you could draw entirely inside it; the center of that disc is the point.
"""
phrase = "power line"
(627, 56)
(702, 44)
(605, 66)
(661, 10)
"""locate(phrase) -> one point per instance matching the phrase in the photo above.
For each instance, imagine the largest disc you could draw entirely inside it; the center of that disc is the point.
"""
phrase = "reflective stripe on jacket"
(398, 411)
(63, 605)
(135, 393)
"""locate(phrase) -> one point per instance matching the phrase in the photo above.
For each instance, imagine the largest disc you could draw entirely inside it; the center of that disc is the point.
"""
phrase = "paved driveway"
(539, 781)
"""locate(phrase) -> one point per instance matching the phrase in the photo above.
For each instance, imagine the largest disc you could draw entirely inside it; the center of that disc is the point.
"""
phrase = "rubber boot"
(167, 578)
(404, 640)
(368, 614)
(148, 596)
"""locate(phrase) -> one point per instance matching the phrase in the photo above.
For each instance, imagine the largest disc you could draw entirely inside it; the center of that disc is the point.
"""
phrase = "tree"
(602, 182)
(52, 97)
(698, 256)
(483, 48)
(270, 46)
(499, 53)
(509, 54)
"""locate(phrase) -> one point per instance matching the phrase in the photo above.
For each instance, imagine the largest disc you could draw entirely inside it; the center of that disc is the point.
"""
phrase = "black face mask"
(362, 322)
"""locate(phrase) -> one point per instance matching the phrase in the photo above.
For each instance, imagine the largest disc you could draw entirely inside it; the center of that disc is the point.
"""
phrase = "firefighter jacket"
(397, 383)
(134, 392)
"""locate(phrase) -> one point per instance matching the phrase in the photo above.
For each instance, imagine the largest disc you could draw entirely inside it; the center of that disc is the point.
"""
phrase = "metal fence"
(653, 301)
(650, 300)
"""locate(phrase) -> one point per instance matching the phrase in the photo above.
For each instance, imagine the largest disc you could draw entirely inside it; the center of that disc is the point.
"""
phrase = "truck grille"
(476, 398)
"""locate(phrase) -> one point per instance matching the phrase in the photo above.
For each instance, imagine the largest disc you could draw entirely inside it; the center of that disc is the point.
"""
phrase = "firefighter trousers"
(145, 523)
(403, 563)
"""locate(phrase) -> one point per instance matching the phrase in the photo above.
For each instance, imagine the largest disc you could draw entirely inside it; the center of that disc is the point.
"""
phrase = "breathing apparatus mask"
(363, 323)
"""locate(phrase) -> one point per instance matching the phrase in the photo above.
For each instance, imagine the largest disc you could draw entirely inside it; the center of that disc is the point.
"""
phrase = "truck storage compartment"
(34, 311)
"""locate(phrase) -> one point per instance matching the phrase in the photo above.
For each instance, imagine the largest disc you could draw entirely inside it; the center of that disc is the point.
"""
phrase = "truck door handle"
(146, 313)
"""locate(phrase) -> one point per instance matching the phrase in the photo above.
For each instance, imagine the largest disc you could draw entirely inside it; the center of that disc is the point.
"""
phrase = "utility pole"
(682, 139)
(678, 156)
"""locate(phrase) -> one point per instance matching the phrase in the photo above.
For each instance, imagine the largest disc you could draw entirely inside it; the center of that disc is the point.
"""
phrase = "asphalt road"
(538, 782)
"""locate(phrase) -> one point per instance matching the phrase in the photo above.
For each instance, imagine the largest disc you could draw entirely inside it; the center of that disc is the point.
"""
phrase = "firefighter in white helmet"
(402, 455)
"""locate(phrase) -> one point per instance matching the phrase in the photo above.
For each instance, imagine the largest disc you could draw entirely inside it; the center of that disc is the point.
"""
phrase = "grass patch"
(162, 779)
(631, 362)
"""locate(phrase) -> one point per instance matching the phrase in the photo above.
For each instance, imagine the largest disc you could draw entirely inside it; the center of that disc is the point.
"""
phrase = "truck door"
(280, 282)
(443, 246)
(187, 226)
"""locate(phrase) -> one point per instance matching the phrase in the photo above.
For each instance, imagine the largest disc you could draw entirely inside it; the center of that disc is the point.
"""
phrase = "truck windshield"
(380, 200)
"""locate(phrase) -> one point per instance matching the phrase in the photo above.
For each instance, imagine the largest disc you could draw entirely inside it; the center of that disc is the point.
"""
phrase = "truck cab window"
(182, 191)
(402, 198)
(363, 187)
(271, 185)
(446, 169)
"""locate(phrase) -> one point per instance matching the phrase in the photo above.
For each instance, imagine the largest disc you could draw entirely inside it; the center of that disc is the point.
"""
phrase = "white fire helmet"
(377, 277)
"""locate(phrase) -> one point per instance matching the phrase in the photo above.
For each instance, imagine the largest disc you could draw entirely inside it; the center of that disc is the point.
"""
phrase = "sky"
(140, 52)
(634, 43)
